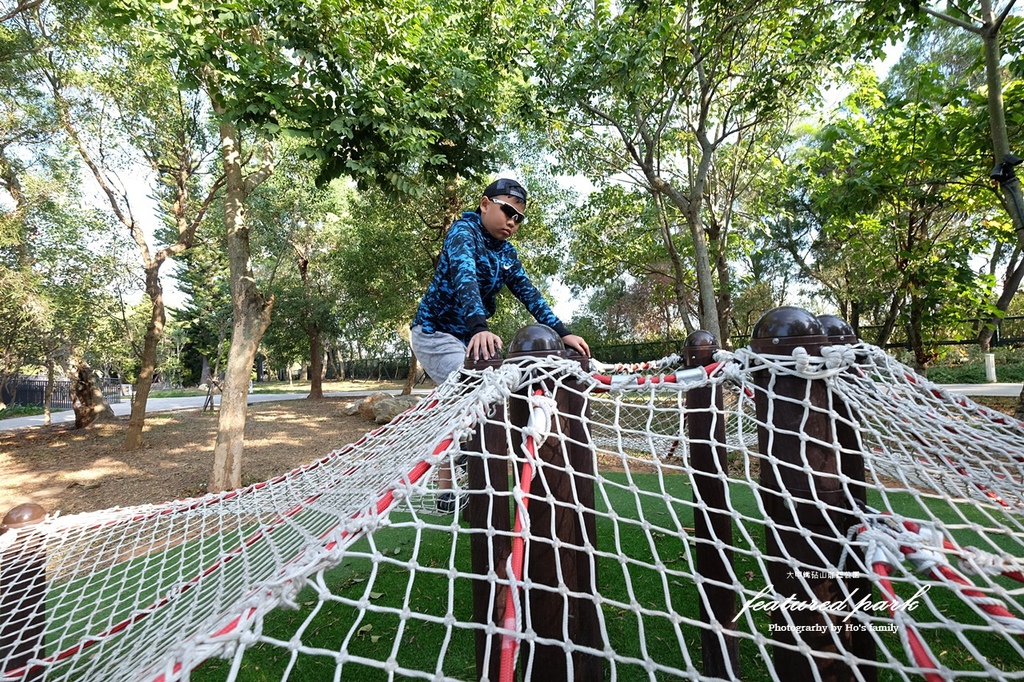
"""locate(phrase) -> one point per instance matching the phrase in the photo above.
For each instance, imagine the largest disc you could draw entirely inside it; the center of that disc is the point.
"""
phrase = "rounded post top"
(28, 514)
(837, 329)
(535, 338)
(699, 348)
(781, 330)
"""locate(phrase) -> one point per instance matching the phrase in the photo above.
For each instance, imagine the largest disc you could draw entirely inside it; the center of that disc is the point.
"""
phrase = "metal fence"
(29, 391)
(378, 369)
(1009, 332)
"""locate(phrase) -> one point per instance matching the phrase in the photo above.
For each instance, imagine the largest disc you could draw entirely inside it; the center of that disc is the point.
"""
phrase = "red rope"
(509, 643)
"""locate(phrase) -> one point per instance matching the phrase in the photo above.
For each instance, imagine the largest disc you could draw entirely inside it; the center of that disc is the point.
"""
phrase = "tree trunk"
(88, 402)
(678, 283)
(1010, 287)
(410, 381)
(923, 356)
(204, 373)
(251, 311)
(48, 395)
(724, 297)
(690, 207)
(1010, 184)
(154, 332)
(339, 365)
(316, 363)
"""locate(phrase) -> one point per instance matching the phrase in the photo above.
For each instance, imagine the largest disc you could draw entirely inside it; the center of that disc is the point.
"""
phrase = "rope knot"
(837, 357)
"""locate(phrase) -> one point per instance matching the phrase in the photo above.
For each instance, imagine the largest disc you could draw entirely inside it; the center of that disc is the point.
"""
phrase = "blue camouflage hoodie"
(473, 268)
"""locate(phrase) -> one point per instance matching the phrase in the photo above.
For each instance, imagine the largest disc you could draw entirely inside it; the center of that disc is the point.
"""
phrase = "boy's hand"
(576, 342)
(484, 345)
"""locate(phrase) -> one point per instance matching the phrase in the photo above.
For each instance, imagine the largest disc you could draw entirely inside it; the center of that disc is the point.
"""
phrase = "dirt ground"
(85, 470)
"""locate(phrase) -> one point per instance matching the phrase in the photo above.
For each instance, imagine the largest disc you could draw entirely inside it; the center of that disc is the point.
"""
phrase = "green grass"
(176, 392)
(387, 584)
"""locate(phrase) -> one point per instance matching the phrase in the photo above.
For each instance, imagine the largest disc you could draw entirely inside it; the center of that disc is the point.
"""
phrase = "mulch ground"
(81, 470)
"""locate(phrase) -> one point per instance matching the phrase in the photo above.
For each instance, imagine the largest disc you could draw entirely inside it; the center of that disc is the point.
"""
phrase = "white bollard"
(990, 367)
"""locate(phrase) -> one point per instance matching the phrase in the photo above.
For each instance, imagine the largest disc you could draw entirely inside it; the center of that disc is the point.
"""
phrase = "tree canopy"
(689, 166)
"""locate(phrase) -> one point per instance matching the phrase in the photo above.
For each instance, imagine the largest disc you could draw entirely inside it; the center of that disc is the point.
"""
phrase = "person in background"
(476, 262)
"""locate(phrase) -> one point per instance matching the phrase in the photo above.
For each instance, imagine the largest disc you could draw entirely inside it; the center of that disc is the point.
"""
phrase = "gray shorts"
(439, 353)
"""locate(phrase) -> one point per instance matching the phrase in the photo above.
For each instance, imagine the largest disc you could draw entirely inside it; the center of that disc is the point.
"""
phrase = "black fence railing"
(1009, 332)
(637, 352)
(378, 369)
(28, 391)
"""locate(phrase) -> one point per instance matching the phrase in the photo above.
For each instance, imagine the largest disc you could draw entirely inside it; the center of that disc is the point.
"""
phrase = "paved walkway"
(124, 408)
(1005, 390)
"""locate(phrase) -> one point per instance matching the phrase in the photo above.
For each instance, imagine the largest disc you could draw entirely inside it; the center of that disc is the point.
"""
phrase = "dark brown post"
(804, 470)
(706, 435)
(840, 333)
(490, 523)
(23, 591)
(568, 566)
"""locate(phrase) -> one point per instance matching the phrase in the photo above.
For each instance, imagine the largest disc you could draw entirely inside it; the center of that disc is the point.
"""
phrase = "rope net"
(771, 517)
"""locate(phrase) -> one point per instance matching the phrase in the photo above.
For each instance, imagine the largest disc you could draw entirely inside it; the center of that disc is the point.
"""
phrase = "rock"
(350, 409)
(367, 403)
(386, 410)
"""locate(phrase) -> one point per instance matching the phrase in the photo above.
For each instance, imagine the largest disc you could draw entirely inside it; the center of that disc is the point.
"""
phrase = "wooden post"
(23, 592)
(839, 332)
(490, 523)
(801, 466)
(566, 567)
(706, 435)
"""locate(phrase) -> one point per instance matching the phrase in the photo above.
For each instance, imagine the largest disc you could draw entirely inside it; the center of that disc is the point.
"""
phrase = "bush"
(967, 366)
(964, 374)
(16, 410)
(1011, 373)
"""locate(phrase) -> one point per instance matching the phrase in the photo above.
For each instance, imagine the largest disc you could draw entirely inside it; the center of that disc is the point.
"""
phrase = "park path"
(124, 408)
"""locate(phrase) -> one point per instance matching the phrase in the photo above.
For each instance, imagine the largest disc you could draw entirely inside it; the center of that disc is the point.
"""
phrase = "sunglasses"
(510, 211)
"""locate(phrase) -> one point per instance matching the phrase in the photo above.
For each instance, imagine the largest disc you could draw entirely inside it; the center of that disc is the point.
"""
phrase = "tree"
(297, 226)
(655, 90)
(619, 233)
(888, 202)
(206, 312)
(110, 98)
(995, 27)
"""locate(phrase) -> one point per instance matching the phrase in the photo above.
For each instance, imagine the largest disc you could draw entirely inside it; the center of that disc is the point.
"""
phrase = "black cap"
(506, 187)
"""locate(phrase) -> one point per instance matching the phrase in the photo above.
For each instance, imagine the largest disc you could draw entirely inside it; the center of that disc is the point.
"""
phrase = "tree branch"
(630, 147)
(953, 20)
(265, 171)
(123, 214)
(961, 9)
(21, 7)
(1002, 17)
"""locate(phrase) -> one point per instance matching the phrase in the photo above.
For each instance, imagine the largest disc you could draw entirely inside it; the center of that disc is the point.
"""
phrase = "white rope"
(157, 589)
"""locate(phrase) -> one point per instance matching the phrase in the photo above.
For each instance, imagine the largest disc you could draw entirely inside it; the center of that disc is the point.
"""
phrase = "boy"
(476, 261)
